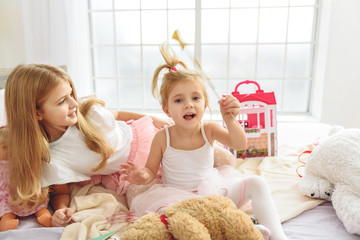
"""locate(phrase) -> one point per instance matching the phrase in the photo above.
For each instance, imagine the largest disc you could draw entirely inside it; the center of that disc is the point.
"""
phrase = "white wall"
(52, 32)
(12, 45)
(340, 65)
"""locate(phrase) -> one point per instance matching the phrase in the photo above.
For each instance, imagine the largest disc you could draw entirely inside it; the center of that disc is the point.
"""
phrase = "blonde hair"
(27, 87)
(3, 135)
(174, 76)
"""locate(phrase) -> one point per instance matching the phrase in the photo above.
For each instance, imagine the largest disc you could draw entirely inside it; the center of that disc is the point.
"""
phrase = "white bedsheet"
(318, 223)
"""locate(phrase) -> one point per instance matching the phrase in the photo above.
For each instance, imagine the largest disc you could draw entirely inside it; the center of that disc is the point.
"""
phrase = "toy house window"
(271, 42)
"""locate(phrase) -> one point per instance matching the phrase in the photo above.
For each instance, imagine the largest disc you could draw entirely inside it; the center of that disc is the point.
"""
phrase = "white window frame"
(197, 54)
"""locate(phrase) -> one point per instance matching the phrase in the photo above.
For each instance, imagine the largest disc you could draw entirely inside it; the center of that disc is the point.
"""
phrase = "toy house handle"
(247, 82)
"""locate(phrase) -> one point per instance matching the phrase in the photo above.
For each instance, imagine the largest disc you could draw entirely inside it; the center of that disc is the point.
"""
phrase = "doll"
(8, 216)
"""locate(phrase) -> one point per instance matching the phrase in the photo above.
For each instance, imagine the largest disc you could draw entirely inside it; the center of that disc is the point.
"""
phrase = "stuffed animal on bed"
(8, 216)
(332, 172)
(211, 217)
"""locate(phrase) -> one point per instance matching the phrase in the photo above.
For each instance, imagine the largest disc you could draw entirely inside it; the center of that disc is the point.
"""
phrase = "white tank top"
(185, 169)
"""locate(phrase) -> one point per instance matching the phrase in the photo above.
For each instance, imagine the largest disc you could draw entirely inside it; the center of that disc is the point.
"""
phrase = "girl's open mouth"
(189, 116)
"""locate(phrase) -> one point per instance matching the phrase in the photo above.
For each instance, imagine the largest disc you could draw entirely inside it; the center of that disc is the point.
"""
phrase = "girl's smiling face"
(186, 104)
(59, 110)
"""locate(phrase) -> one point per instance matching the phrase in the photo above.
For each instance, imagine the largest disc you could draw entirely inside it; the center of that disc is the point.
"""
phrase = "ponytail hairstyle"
(174, 76)
(27, 87)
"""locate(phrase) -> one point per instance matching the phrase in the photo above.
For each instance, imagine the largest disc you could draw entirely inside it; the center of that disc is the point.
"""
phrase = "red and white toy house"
(258, 118)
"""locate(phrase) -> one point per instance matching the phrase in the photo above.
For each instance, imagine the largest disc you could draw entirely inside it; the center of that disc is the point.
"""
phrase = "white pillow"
(2, 108)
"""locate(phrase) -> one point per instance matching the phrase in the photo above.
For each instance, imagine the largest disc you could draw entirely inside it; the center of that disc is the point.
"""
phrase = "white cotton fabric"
(185, 169)
(71, 159)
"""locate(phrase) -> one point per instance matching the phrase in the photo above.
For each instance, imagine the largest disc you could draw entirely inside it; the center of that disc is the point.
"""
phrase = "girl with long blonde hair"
(56, 141)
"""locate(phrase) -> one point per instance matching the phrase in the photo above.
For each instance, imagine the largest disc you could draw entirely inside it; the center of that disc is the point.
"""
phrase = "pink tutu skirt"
(155, 196)
(143, 131)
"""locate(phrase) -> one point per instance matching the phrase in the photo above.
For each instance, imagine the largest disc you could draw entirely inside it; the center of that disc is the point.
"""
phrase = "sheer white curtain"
(57, 32)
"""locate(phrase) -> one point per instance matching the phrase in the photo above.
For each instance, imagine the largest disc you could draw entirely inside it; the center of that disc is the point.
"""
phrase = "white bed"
(318, 223)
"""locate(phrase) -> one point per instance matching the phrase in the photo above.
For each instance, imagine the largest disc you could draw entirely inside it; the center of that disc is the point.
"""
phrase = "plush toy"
(332, 172)
(211, 217)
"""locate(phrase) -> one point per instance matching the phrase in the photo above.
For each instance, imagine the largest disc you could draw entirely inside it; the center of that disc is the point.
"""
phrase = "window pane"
(271, 3)
(213, 60)
(128, 27)
(270, 61)
(184, 22)
(101, 4)
(104, 61)
(154, 27)
(243, 25)
(302, 2)
(107, 90)
(181, 4)
(131, 99)
(126, 4)
(151, 60)
(242, 61)
(300, 24)
(273, 23)
(153, 4)
(244, 3)
(103, 26)
(215, 3)
(221, 89)
(296, 96)
(151, 102)
(212, 26)
(298, 60)
(187, 55)
(129, 62)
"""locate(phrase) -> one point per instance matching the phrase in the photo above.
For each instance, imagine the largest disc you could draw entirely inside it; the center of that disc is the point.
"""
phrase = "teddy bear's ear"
(184, 227)
(335, 129)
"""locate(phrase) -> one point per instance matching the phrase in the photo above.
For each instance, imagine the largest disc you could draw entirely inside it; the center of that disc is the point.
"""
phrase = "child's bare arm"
(234, 136)
(60, 200)
(126, 116)
(60, 197)
(223, 156)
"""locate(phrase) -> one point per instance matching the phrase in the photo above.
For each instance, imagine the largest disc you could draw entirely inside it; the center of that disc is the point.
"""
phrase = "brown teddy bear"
(211, 217)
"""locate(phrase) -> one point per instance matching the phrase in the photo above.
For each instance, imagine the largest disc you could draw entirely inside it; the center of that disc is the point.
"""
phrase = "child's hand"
(229, 105)
(61, 217)
(159, 122)
(132, 173)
